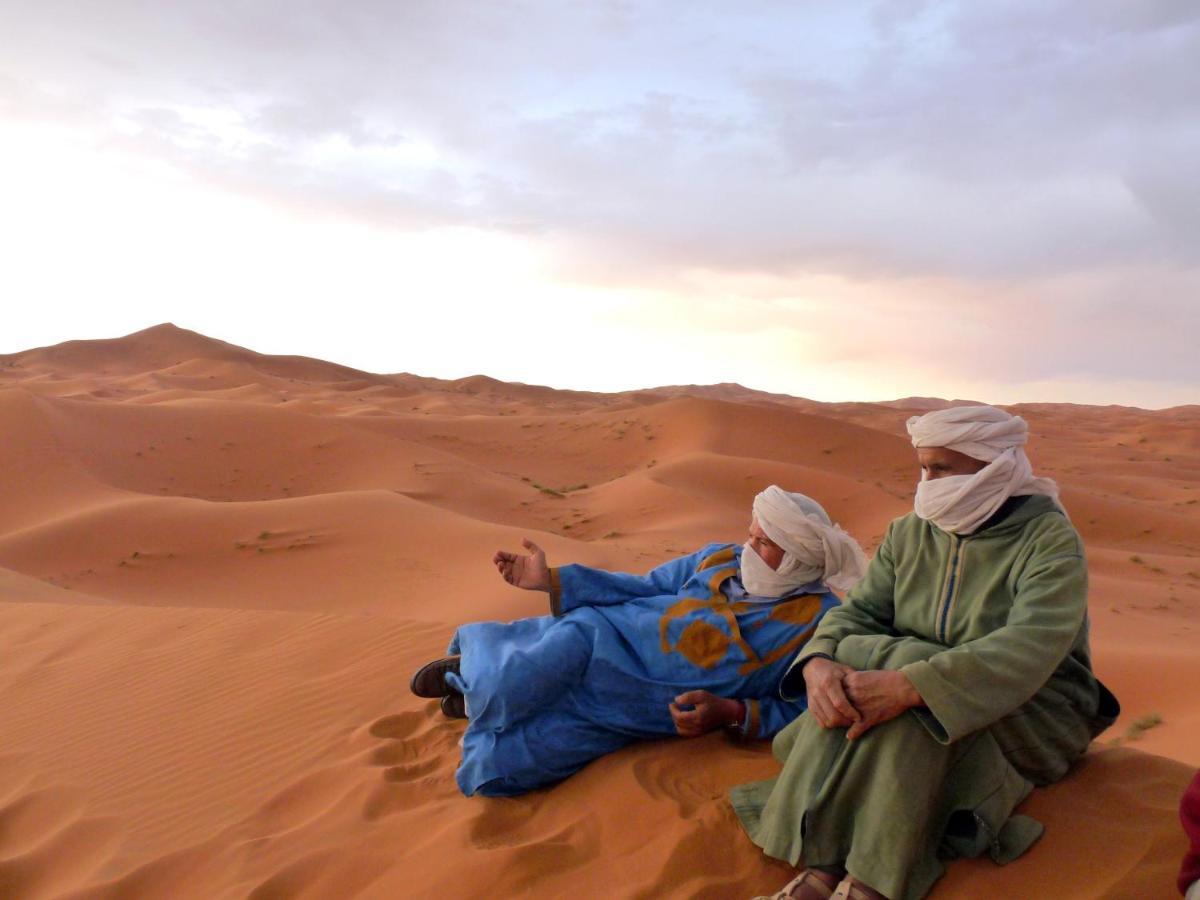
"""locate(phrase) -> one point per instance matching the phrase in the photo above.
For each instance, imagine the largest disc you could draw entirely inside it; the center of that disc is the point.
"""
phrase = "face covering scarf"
(814, 548)
(961, 503)
(761, 580)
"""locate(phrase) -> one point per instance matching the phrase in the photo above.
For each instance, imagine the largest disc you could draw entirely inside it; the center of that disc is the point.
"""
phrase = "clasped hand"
(708, 713)
(842, 697)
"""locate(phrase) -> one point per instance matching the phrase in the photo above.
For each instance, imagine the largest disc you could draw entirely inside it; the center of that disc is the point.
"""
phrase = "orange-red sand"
(218, 570)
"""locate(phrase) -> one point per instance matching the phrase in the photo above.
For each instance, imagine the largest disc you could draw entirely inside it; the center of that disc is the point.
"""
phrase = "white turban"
(815, 549)
(981, 432)
(961, 503)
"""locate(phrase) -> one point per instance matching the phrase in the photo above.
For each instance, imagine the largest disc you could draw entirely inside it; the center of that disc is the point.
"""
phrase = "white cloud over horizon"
(875, 199)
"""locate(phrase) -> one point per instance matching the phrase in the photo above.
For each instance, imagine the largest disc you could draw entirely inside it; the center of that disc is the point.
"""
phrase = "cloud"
(1018, 155)
(916, 138)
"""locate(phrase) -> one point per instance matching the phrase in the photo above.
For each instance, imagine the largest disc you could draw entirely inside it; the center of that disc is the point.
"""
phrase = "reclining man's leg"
(511, 671)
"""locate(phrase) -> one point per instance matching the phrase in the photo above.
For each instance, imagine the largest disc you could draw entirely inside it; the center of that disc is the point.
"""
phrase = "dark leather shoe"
(430, 679)
(454, 706)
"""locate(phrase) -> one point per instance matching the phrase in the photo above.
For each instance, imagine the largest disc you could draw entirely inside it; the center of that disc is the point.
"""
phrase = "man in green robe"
(955, 677)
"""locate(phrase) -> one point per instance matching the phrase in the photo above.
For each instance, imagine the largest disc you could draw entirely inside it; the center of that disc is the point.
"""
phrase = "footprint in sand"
(399, 726)
(536, 834)
(662, 781)
(418, 756)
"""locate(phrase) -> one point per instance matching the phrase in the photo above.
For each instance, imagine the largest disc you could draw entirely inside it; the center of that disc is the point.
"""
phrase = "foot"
(454, 706)
(811, 884)
(430, 679)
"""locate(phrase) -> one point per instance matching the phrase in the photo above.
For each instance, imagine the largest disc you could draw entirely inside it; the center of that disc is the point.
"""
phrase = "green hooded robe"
(991, 628)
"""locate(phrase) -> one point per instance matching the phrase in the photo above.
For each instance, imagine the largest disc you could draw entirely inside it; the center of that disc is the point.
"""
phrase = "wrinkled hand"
(827, 700)
(878, 696)
(529, 572)
(711, 712)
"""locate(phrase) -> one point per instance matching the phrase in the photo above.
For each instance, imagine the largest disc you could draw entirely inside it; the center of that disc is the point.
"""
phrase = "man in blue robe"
(698, 643)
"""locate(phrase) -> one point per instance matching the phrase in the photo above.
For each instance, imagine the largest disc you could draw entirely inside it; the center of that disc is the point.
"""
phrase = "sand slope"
(218, 569)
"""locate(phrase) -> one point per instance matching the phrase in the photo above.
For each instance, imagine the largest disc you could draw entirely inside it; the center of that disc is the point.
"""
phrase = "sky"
(836, 200)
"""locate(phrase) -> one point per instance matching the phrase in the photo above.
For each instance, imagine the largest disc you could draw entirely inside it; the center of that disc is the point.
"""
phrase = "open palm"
(529, 572)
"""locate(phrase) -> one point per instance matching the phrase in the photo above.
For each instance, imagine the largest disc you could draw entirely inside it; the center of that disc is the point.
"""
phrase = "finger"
(692, 697)
(688, 718)
(680, 714)
(858, 729)
(855, 683)
(839, 721)
(841, 704)
(819, 709)
(834, 717)
(531, 546)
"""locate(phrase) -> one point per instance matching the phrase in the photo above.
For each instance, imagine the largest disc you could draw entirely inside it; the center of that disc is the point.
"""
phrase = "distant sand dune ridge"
(218, 570)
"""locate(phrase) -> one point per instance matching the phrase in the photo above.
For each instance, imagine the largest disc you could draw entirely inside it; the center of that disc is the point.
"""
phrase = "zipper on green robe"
(951, 584)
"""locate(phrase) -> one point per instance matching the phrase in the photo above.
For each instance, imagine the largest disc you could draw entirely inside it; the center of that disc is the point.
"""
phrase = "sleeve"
(575, 585)
(867, 609)
(972, 685)
(767, 716)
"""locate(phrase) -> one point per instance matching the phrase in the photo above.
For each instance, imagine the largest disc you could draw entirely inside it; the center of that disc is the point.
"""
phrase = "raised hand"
(710, 712)
(529, 572)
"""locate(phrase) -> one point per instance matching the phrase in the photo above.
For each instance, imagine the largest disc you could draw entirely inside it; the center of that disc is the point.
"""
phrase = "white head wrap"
(815, 549)
(961, 503)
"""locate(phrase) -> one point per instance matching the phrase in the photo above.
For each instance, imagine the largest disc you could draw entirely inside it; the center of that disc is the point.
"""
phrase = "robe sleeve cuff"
(555, 592)
(792, 686)
(937, 715)
(817, 646)
(752, 723)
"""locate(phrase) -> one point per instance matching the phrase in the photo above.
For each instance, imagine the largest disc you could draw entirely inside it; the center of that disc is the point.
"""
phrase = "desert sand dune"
(218, 570)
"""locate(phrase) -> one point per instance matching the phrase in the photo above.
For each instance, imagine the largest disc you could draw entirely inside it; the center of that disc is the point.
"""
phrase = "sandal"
(849, 889)
(813, 888)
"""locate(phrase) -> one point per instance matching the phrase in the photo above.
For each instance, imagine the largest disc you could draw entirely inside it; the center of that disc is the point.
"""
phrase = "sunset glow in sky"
(995, 200)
